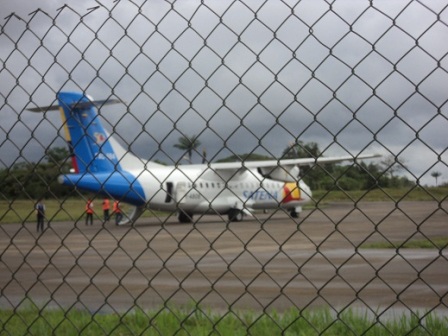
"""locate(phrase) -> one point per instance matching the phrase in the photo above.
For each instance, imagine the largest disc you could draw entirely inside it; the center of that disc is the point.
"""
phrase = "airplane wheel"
(185, 217)
(235, 215)
(294, 214)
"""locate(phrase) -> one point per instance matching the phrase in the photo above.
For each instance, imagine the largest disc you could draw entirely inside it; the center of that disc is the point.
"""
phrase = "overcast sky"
(247, 76)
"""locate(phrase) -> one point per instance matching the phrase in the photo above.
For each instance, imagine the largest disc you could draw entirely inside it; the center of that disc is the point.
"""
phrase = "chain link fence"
(240, 78)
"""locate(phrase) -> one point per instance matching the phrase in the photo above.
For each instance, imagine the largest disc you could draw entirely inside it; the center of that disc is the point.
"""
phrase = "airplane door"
(169, 192)
(181, 192)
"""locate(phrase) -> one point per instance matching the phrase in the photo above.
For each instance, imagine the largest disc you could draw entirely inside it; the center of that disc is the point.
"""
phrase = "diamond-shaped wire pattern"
(245, 77)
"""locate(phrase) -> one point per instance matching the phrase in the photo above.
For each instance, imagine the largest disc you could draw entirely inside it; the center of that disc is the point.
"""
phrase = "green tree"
(35, 180)
(392, 165)
(58, 157)
(301, 150)
(245, 157)
(188, 144)
(370, 174)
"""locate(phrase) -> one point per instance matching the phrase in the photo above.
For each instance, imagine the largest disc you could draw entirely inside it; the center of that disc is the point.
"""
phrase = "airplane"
(235, 189)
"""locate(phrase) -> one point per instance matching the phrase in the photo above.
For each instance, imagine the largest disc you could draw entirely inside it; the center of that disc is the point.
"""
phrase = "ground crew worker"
(117, 212)
(40, 214)
(89, 212)
(106, 207)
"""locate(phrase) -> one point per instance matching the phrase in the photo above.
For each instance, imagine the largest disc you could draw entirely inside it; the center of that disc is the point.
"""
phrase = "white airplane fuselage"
(196, 191)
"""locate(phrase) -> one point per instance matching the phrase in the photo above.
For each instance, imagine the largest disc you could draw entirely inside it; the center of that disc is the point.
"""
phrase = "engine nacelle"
(281, 173)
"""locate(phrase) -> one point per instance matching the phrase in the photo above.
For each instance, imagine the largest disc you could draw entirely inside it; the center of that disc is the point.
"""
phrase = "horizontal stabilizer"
(78, 105)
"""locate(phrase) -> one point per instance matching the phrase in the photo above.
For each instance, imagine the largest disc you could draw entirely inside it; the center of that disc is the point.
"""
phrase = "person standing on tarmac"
(40, 214)
(89, 212)
(117, 212)
(106, 207)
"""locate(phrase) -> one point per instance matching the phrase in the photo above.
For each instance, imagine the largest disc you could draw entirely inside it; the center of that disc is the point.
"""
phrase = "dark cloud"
(247, 76)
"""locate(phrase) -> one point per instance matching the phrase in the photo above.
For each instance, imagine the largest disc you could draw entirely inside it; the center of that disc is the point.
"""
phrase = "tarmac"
(267, 262)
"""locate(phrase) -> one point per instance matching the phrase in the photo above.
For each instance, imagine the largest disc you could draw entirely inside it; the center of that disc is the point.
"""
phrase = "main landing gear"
(235, 215)
(185, 217)
(295, 212)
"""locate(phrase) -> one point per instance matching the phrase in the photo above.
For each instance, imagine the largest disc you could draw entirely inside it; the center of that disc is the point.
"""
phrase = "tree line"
(36, 180)
(333, 176)
(32, 180)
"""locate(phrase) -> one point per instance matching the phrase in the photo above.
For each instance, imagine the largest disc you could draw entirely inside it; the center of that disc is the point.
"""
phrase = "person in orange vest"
(106, 207)
(117, 212)
(89, 212)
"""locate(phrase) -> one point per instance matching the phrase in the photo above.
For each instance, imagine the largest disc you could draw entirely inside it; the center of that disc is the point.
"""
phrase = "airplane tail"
(91, 148)
(100, 163)
(90, 145)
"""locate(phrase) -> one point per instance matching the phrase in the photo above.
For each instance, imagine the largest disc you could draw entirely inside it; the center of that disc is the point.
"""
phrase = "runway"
(267, 262)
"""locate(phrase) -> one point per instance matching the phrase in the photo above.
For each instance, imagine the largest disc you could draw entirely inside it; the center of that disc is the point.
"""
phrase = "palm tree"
(188, 144)
(436, 175)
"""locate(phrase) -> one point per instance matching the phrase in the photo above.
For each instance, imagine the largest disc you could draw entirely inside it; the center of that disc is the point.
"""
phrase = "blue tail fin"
(88, 140)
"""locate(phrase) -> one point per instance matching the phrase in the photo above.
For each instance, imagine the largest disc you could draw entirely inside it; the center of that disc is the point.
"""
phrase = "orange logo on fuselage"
(291, 192)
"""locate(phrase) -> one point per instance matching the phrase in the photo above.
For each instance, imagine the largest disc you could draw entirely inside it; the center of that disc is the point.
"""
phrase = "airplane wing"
(289, 162)
(281, 170)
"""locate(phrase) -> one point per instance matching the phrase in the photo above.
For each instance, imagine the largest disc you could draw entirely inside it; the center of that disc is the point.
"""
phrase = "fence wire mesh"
(207, 81)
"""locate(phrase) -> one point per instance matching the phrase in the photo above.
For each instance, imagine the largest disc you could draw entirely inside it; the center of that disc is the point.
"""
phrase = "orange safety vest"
(117, 207)
(89, 207)
(106, 204)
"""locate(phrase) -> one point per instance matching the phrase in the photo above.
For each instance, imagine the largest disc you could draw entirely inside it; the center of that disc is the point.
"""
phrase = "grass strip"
(437, 243)
(196, 321)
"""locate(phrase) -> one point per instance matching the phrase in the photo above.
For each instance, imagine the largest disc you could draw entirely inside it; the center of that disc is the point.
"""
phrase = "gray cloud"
(345, 78)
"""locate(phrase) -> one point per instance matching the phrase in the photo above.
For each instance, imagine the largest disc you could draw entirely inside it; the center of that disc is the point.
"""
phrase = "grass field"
(71, 209)
(194, 321)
